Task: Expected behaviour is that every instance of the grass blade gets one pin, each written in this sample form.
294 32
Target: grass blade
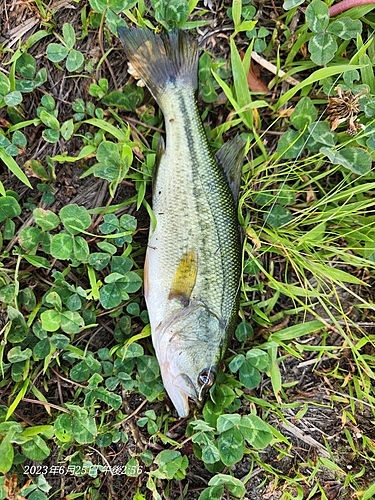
14 168
315 77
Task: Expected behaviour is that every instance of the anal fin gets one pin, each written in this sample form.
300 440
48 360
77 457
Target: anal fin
160 150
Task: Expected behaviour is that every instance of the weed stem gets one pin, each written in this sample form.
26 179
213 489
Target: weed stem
345 5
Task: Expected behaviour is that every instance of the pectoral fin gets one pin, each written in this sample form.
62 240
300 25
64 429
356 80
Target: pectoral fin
230 158
185 278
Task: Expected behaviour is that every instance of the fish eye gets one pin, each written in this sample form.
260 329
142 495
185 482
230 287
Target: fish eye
206 378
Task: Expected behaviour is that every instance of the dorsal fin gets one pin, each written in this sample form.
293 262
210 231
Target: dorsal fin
230 158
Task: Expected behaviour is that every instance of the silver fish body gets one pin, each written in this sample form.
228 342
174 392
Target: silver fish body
192 269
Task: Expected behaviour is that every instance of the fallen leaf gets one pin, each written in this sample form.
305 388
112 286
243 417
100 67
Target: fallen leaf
253 77
254 81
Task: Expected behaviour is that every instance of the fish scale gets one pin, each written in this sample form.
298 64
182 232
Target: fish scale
192 268
201 192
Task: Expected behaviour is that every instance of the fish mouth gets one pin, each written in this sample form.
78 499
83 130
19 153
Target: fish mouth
180 389
175 364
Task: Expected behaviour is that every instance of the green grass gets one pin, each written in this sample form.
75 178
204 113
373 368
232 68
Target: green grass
80 385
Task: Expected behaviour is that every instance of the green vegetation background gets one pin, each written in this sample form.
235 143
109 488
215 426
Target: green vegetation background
83 413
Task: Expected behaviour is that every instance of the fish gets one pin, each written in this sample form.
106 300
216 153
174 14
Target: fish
192 271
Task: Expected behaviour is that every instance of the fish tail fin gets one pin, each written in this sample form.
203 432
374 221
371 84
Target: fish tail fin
162 61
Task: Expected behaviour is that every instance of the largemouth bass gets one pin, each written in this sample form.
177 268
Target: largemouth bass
192 268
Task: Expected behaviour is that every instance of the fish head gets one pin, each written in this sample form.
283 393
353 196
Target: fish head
189 348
